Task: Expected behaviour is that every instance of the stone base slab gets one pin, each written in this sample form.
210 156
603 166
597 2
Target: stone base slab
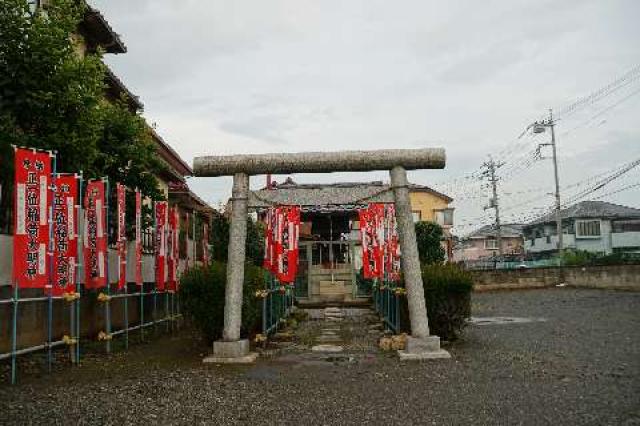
439 354
231 352
423 348
423 344
247 359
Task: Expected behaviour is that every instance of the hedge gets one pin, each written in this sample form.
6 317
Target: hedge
447 292
202 293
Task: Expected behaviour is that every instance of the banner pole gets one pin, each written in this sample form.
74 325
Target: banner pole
78 285
50 269
14 333
123 246
107 305
154 234
138 247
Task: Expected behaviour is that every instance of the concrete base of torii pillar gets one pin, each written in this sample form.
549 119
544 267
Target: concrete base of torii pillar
420 345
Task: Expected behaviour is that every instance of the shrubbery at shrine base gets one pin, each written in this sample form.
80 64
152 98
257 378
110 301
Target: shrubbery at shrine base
202 293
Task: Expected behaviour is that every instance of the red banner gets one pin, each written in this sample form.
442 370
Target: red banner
173 248
138 245
391 244
288 248
121 199
371 221
31 205
95 236
65 234
161 243
270 237
205 244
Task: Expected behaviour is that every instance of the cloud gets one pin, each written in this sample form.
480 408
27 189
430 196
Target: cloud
246 76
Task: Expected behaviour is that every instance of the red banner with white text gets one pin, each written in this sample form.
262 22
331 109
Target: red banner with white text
121 212
371 221
138 244
161 243
32 202
205 244
269 262
287 243
65 234
95 235
391 244
173 248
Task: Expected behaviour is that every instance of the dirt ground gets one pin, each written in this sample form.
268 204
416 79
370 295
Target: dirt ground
555 356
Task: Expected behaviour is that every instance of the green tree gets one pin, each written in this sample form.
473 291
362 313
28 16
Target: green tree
53 98
429 237
219 238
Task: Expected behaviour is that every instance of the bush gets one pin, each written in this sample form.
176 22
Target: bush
202 292
447 291
364 284
586 258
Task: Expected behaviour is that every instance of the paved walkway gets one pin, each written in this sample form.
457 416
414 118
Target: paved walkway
577 363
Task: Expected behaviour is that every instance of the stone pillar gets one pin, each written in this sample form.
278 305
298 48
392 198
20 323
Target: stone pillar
231 349
419 345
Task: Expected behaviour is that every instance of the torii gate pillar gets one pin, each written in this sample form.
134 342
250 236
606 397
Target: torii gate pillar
232 349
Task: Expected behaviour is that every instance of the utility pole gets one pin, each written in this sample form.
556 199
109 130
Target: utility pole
490 172
540 128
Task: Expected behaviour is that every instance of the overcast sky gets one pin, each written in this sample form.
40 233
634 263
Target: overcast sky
225 77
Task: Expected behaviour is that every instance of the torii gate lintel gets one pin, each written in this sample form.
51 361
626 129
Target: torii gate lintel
420 345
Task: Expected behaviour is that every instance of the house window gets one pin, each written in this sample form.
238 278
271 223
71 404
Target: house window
491 244
444 217
587 229
417 215
626 226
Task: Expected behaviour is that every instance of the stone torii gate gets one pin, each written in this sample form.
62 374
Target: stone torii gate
232 349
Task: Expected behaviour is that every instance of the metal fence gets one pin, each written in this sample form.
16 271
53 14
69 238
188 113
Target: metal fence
163 307
277 302
386 302
490 264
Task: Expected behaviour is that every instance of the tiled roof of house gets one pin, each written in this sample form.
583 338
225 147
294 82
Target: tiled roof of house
507 230
592 210
97 28
345 194
116 88
348 195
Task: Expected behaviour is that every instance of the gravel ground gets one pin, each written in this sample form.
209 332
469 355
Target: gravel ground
580 365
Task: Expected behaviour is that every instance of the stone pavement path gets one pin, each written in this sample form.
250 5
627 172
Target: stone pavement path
351 332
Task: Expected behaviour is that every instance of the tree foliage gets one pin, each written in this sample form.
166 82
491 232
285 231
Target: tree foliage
219 238
52 97
429 237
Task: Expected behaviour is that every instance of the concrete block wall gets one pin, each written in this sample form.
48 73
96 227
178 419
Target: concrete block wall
621 277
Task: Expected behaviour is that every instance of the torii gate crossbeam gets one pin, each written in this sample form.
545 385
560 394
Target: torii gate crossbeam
233 349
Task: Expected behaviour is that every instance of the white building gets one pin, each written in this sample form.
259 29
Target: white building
594 226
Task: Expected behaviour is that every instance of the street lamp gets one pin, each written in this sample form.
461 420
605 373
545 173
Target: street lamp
541 127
